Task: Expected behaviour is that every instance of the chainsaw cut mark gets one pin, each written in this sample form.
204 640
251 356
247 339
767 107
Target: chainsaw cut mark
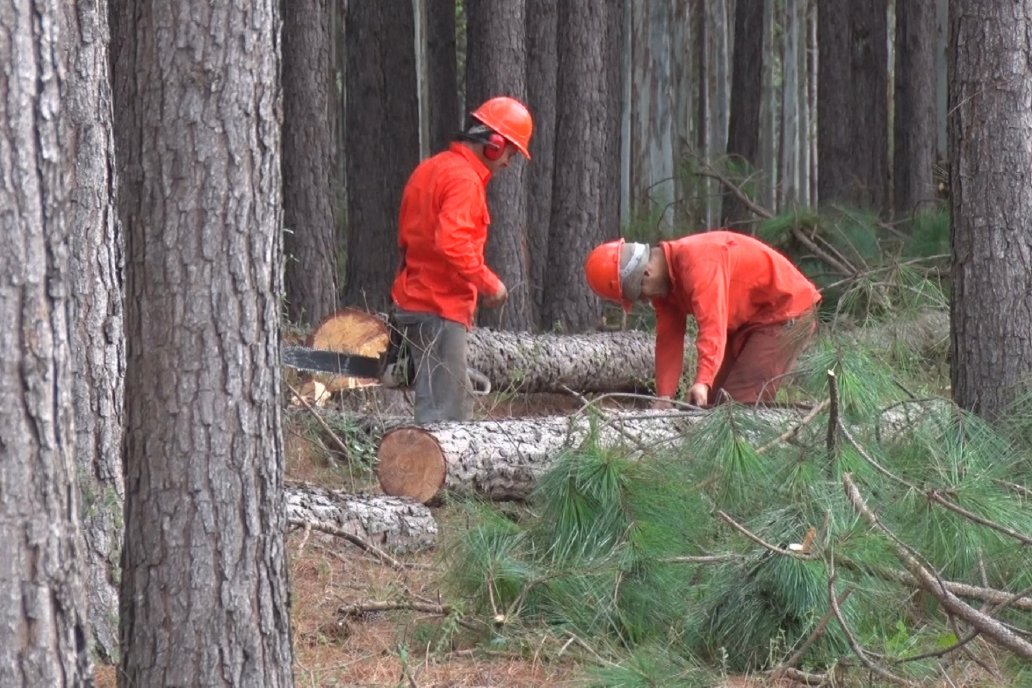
410 463
350 331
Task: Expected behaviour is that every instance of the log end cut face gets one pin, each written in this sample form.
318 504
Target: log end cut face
350 331
410 463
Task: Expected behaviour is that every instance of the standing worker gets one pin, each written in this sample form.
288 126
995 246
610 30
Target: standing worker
755 311
442 229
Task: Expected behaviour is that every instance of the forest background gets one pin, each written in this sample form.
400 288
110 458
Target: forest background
180 183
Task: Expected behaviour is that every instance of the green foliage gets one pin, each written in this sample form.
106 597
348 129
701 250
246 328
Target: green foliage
864 383
928 235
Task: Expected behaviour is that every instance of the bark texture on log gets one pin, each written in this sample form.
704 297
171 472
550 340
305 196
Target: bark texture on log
504 459
394 524
512 361
590 362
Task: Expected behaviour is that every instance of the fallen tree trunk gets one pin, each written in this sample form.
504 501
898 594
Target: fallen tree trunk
391 523
511 361
504 459
590 362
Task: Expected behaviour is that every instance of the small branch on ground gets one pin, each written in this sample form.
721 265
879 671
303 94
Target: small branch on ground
350 537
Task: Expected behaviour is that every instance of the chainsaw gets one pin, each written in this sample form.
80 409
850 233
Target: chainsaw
394 368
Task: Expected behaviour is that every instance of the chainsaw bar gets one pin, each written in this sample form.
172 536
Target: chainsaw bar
333 362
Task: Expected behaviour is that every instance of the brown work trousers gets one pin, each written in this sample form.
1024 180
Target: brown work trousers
758 357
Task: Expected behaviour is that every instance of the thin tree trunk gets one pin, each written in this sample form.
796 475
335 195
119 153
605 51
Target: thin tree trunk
915 117
743 139
542 69
43 625
204 589
441 68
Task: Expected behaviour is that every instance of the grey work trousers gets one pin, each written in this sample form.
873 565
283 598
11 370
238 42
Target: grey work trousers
438 348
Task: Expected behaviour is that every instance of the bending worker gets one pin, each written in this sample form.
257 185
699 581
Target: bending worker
755 311
442 229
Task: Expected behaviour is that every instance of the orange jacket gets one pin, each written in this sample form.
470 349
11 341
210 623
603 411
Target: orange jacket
442 229
727 281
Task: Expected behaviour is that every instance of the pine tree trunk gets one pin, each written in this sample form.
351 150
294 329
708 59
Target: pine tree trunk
382 147
542 68
504 459
393 524
497 65
915 116
852 119
205 596
98 348
43 625
442 85
743 139
310 231
991 196
585 199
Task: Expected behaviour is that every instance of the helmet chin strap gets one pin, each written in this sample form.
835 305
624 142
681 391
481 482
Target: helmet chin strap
639 253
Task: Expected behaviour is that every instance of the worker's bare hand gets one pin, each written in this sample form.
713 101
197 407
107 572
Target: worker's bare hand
698 394
497 299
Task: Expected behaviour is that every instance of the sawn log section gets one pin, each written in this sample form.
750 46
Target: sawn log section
503 459
511 361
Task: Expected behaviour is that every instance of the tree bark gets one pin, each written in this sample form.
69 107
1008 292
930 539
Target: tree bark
204 596
504 459
98 346
43 625
586 193
915 117
393 524
991 198
310 230
542 68
743 138
514 361
496 64
382 145
852 121
589 362
442 77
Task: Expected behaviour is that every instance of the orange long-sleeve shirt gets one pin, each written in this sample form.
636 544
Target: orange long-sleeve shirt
727 281
442 229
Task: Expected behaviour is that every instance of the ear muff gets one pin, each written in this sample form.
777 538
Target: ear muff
494 146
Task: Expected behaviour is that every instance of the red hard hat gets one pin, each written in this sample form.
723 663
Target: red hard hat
602 268
510 118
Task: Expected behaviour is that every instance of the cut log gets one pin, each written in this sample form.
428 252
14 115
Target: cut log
351 331
511 361
395 524
504 459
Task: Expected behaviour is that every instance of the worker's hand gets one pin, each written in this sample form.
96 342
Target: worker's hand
698 394
662 404
497 299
